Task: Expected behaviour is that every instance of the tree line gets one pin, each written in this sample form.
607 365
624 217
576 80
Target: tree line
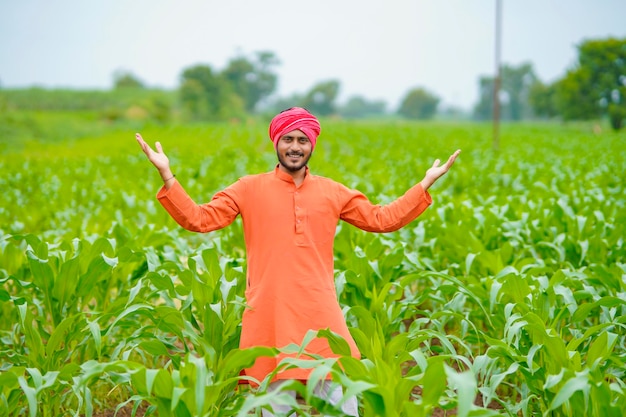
247 85
594 88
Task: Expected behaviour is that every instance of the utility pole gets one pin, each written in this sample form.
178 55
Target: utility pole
497 79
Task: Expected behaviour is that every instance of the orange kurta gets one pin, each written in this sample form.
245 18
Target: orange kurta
289 233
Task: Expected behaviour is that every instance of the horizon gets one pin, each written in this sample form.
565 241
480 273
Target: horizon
443 47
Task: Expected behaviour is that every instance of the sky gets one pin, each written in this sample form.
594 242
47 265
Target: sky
376 49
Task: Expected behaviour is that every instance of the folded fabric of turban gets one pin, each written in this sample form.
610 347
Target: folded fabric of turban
295 118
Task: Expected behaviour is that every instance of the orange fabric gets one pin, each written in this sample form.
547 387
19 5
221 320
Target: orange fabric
289 233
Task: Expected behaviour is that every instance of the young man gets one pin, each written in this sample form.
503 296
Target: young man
289 220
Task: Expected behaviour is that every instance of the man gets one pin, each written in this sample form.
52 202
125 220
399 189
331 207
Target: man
289 221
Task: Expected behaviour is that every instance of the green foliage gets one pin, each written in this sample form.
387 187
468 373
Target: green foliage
206 95
617 114
358 107
517 83
542 100
575 97
419 104
42 114
81 100
320 100
252 80
595 86
124 79
505 298
233 93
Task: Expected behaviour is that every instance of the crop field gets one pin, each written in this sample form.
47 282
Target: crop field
507 297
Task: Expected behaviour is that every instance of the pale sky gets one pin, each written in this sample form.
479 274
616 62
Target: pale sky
377 49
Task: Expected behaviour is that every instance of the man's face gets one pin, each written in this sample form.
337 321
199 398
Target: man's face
294 150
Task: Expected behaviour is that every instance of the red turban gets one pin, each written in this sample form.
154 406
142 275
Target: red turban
296 118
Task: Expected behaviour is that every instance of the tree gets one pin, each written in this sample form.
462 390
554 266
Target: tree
517 82
542 99
483 110
596 86
252 80
282 103
419 104
514 93
575 98
208 96
124 79
321 98
359 107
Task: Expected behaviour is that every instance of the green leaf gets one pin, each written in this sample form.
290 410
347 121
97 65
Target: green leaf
99 269
600 349
65 283
8 380
161 282
238 359
59 335
96 334
31 396
43 276
154 347
337 343
212 263
465 385
128 311
177 394
433 383
580 382
584 310
33 339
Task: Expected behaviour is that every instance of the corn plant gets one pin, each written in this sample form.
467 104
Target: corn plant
506 297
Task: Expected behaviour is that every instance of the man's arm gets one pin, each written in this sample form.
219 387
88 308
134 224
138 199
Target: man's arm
216 214
436 171
158 159
360 212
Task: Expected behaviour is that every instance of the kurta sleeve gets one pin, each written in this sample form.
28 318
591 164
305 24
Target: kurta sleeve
360 212
216 214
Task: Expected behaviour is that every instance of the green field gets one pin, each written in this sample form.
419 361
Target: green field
506 297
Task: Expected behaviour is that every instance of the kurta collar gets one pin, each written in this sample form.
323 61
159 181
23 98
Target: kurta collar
286 177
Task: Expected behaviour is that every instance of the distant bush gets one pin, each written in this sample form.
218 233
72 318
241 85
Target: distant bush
112 105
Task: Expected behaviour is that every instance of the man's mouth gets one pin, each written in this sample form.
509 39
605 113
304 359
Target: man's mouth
295 155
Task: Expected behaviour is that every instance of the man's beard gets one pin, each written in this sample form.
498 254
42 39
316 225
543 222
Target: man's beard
293 168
